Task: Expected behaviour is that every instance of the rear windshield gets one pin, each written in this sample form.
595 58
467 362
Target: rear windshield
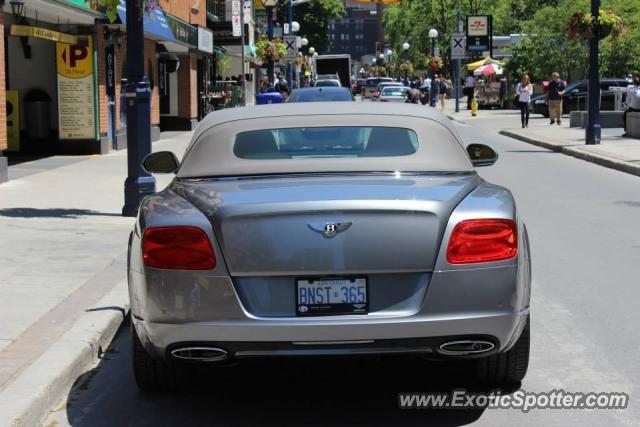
321 95
394 91
330 142
327 83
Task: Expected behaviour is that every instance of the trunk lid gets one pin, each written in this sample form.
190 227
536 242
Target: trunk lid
277 226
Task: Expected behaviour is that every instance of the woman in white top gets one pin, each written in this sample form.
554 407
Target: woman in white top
524 90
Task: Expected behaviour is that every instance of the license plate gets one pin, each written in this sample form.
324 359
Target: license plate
318 297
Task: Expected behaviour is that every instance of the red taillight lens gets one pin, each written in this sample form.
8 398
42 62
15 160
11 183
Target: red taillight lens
177 248
482 240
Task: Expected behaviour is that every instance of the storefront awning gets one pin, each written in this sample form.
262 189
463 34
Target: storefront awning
155 22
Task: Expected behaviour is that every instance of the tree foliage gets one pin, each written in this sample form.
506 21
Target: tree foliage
544 47
314 20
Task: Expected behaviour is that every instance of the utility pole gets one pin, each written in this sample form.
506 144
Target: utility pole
592 132
242 63
456 71
291 33
138 98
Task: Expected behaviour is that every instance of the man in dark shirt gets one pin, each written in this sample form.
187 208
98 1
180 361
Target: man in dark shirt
554 98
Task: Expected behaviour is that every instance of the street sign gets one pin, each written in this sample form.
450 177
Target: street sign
478 31
458 46
236 22
110 70
291 42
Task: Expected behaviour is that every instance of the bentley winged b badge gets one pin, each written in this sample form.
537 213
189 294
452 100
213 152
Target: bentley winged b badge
330 229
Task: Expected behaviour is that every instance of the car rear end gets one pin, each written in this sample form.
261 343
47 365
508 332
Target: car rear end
328 264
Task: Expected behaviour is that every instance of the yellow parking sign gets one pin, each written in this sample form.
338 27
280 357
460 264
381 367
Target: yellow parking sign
13 120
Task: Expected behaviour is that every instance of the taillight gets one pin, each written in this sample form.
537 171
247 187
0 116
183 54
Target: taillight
482 240
177 248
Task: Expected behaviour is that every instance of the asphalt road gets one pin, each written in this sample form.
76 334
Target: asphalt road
584 225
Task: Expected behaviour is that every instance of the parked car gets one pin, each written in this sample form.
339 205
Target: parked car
328 83
394 93
575 97
368 233
370 85
320 94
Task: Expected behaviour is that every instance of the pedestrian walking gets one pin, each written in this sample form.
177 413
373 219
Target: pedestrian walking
435 90
554 98
442 89
469 87
524 91
632 102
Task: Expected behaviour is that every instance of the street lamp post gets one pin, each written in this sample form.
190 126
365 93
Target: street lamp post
592 132
138 98
269 5
405 51
433 33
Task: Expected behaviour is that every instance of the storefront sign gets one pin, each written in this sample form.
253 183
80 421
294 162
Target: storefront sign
110 70
154 22
13 120
205 40
478 30
183 32
42 33
76 91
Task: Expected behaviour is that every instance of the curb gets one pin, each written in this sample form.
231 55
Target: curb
578 153
29 398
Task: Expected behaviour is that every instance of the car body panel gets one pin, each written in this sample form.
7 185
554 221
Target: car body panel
259 228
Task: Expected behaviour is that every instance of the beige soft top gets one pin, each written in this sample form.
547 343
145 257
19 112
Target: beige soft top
210 152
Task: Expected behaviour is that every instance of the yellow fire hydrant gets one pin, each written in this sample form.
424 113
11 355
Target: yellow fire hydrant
474 106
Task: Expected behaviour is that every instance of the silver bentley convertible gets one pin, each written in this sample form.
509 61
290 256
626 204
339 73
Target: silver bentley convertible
328 229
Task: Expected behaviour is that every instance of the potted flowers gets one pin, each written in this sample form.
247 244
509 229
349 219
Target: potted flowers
584 25
270 50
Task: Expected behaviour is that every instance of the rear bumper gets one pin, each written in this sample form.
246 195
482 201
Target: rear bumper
331 336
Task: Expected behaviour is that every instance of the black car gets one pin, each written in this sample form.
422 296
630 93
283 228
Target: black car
575 97
320 94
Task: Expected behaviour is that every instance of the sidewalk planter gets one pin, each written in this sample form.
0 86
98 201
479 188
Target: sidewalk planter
633 125
608 119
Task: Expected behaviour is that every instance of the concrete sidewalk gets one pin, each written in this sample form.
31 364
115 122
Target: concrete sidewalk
614 150
62 274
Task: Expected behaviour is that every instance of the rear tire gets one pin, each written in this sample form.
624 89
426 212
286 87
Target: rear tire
151 375
507 368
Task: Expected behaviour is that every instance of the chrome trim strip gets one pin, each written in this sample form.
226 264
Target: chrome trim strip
486 346
332 352
333 342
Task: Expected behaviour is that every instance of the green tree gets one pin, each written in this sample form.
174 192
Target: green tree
314 20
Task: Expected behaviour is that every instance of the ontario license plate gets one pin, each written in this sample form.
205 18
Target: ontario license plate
318 297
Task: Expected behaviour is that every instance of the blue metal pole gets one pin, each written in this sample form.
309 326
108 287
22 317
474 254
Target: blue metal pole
138 97
456 70
592 133
291 33
270 37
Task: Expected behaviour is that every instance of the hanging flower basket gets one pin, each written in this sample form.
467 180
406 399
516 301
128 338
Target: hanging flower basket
434 62
585 26
272 50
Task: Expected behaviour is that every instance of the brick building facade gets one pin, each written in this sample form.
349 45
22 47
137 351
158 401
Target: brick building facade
28 66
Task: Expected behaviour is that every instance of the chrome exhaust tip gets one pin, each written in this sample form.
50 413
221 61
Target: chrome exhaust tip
465 347
200 354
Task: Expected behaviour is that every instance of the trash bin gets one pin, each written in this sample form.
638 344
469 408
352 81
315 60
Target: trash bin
37 104
269 98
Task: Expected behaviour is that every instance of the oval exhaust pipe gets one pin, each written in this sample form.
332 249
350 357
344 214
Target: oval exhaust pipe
465 347
200 354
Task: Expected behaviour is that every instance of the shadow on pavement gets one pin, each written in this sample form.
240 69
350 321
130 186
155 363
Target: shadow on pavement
337 392
51 213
